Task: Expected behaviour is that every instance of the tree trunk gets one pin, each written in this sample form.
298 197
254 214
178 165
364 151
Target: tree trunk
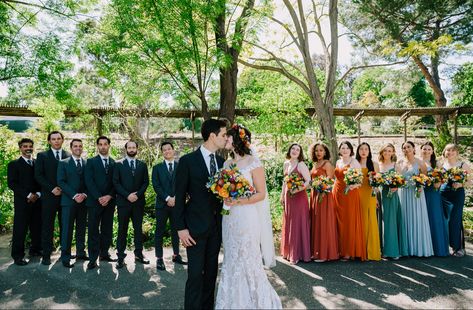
228 90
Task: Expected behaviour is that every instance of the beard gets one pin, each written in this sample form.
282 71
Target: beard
131 154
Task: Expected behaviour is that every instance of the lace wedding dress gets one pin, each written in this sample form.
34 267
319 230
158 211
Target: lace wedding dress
247 243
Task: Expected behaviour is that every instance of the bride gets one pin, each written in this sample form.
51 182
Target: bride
247 235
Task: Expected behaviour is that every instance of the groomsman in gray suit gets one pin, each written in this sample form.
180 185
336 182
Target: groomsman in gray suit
70 177
100 202
164 181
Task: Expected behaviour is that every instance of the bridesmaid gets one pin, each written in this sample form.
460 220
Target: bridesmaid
453 200
324 236
437 221
368 202
414 210
350 226
295 241
395 237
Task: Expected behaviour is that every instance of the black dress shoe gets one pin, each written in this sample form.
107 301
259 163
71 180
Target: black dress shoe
160 264
120 264
91 265
141 259
21 262
73 256
178 260
108 259
46 260
67 264
82 257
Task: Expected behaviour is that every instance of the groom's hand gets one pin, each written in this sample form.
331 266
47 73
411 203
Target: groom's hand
186 238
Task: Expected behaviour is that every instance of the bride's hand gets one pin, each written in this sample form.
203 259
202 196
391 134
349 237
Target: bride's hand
232 202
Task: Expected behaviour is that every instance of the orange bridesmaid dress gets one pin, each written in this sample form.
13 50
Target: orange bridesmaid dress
350 225
370 219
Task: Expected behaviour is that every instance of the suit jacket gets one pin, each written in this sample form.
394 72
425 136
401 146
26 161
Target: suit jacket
70 180
126 183
202 210
98 182
163 183
20 179
45 172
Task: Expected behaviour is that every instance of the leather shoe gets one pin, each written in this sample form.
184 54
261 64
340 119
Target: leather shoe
141 259
91 265
67 264
82 257
21 262
46 260
160 264
178 260
120 264
108 259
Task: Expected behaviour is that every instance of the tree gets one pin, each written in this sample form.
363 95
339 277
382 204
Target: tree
463 91
426 31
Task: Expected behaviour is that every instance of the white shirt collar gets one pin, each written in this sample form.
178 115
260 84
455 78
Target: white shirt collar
130 159
169 162
26 159
76 158
103 157
205 151
55 152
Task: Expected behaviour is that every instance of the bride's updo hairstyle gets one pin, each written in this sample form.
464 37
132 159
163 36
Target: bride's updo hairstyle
241 139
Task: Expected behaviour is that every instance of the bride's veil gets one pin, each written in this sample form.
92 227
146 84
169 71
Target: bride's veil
266 227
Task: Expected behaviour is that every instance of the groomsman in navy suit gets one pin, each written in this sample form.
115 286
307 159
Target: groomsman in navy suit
20 178
100 202
164 181
130 178
45 172
70 177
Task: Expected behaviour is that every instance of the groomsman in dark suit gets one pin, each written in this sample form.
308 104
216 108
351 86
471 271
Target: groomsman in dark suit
130 178
45 171
100 202
20 177
164 181
70 177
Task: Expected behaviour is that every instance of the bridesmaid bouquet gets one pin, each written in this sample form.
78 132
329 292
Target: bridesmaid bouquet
376 179
229 183
437 176
421 181
352 177
322 184
457 175
294 183
393 180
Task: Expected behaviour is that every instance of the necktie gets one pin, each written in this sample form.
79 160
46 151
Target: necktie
105 163
170 168
79 166
57 155
132 166
213 167
30 162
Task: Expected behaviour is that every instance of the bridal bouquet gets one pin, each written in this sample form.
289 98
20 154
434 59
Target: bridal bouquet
352 177
393 180
229 183
323 185
437 176
421 181
294 183
376 180
457 175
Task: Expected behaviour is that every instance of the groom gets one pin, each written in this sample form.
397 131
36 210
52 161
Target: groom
197 215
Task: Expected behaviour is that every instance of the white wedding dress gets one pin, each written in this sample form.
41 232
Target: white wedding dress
247 243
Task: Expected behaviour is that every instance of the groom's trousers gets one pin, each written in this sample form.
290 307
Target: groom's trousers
202 270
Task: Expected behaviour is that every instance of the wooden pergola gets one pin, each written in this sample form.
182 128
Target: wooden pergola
356 113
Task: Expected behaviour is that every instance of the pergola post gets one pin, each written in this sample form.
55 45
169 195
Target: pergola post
358 121
193 129
404 118
455 126
99 124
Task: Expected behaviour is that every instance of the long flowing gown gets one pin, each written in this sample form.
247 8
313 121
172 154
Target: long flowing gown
349 220
243 281
437 221
415 216
370 219
324 235
395 234
295 235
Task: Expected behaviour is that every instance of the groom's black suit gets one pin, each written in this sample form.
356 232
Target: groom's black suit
200 214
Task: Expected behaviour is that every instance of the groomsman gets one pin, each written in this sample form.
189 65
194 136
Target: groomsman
20 177
45 171
70 177
164 179
130 178
100 202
